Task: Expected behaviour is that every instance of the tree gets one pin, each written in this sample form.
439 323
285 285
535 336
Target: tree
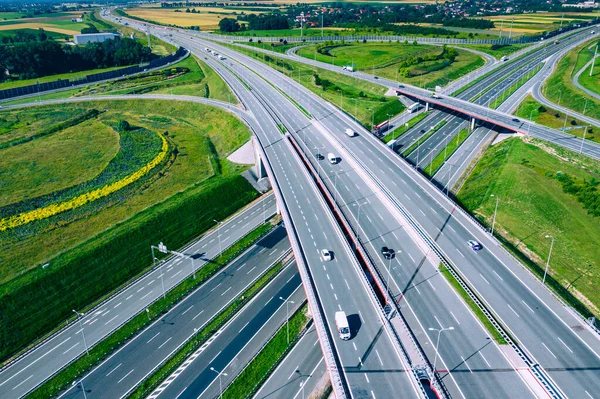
229 25
90 29
123 125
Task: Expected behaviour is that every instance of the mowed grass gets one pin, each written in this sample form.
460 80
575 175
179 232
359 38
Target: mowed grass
559 87
497 53
529 107
196 130
40 167
383 59
590 82
532 23
58 22
532 204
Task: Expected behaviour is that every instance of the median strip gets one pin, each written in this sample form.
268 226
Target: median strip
119 337
402 129
446 152
423 138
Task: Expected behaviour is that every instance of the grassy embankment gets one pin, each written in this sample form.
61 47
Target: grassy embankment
120 337
192 186
589 82
258 370
385 60
529 107
559 87
363 100
526 178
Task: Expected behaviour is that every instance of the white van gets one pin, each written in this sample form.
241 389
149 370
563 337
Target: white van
332 158
350 132
341 323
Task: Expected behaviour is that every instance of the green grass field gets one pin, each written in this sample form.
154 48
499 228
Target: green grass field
497 53
559 87
532 204
383 59
529 107
589 82
363 100
198 166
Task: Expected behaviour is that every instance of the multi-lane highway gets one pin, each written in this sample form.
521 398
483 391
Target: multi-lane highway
37 365
125 369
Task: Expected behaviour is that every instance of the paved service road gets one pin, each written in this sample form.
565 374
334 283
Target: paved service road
39 364
125 369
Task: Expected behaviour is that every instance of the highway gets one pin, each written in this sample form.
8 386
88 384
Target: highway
473 333
24 374
299 372
237 343
548 331
127 367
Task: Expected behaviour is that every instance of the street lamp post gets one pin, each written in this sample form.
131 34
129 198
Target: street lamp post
80 382
439 331
162 248
549 255
219 235
219 373
583 139
287 317
495 210
79 316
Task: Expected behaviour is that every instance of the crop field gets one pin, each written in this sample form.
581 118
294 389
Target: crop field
58 23
207 18
525 176
109 184
385 60
538 22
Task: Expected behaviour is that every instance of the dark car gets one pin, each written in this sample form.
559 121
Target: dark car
375 77
387 253
401 86
319 156
516 120
475 246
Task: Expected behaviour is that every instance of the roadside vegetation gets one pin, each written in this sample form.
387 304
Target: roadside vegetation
556 190
129 330
173 200
249 381
559 87
415 64
530 108
363 100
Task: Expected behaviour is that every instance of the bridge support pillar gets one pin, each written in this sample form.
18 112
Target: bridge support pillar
472 123
426 107
261 171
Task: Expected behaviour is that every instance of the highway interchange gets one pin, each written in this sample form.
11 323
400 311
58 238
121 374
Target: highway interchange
386 202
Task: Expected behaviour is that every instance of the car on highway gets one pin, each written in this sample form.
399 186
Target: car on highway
387 253
341 323
516 120
475 246
319 156
332 158
326 255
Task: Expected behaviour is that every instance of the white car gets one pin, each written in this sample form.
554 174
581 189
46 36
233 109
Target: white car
326 255
475 246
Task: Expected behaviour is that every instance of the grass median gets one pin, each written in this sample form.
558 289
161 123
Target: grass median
471 303
402 129
513 88
119 337
203 335
258 370
423 138
447 152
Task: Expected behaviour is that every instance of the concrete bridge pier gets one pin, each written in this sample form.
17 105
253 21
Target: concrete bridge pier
261 171
472 124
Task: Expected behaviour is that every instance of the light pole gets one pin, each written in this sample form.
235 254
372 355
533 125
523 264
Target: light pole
439 331
219 373
80 382
583 140
287 316
219 235
548 261
79 316
302 387
495 210
162 248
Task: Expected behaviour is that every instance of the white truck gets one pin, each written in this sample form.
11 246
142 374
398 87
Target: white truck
348 68
504 58
332 158
341 323
350 132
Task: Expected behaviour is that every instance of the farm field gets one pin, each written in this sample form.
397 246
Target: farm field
56 22
207 18
538 22
386 59
171 161
363 100
559 87
524 176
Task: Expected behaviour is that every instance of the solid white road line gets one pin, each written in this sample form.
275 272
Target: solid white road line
548 349
125 376
111 371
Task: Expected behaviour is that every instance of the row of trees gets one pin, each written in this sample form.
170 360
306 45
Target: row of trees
43 58
255 22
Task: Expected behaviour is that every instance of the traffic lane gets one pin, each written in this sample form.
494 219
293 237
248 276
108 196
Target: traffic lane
431 147
250 328
418 130
339 286
39 364
299 371
128 366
